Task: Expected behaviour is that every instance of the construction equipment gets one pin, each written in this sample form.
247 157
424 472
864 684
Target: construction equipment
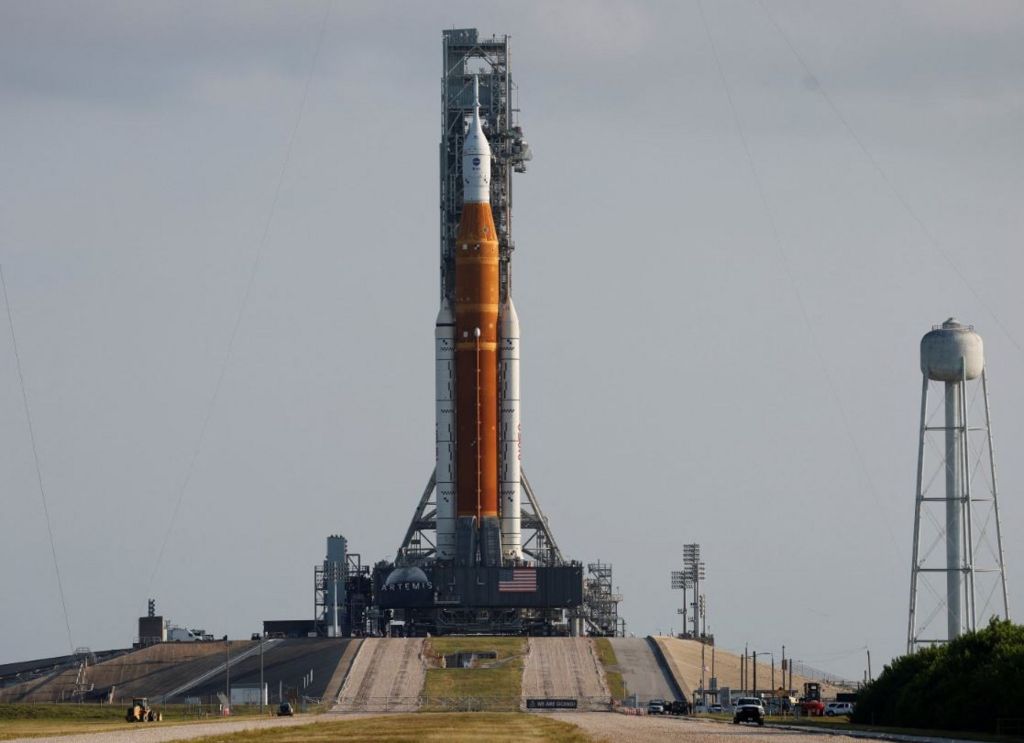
140 711
810 702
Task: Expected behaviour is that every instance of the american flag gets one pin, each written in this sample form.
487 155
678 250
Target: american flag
517 580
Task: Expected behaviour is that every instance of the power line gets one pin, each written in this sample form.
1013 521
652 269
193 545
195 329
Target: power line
208 415
788 270
35 457
929 236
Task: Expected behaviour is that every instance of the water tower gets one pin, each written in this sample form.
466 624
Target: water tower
957 536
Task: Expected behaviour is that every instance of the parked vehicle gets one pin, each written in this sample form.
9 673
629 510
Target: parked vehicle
716 709
810 702
285 710
832 709
749 709
656 707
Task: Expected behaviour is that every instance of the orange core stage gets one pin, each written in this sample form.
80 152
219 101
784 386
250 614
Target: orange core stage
476 362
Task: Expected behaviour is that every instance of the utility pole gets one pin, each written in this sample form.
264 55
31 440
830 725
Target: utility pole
227 669
755 673
784 669
870 677
702 684
261 673
746 669
773 673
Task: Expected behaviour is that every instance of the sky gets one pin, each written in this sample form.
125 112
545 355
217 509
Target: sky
223 284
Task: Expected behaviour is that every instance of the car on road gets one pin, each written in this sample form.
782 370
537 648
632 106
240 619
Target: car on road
832 709
656 707
678 707
716 709
749 709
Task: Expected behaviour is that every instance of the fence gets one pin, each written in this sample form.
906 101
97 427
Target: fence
424 703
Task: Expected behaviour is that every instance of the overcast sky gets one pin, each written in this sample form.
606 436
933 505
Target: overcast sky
687 377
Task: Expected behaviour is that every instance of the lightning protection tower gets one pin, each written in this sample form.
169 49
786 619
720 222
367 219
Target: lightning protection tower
957 535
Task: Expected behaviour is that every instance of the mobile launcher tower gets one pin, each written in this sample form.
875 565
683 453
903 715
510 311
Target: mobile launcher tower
476 558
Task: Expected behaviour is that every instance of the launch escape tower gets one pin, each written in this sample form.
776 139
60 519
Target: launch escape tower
964 516
478 556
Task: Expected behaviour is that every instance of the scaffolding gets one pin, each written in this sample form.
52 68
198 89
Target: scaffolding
601 602
465 56
329 579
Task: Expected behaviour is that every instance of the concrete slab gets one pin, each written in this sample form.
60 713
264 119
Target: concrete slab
643 672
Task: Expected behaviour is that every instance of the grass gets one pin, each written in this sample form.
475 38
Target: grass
42 720
606 654
432 728
843 723
492 684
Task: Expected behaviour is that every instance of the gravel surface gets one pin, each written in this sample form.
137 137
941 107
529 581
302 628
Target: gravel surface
610 726
563 667
387 676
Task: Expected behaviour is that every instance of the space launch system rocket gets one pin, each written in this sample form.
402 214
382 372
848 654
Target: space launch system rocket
478 477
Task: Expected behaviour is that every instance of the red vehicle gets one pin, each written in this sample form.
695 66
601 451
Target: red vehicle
810 702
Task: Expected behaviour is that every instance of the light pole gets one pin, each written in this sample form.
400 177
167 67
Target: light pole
227 670
764 652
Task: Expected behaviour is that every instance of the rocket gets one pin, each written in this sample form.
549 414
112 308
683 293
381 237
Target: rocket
477 476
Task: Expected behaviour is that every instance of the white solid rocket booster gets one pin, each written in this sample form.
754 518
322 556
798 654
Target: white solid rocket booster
510 484
444 401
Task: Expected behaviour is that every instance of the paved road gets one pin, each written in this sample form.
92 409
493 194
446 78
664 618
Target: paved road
602 726
387 676
609 726
640 669
161 732
564 667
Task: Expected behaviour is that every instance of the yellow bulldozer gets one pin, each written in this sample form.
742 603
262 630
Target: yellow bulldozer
140 711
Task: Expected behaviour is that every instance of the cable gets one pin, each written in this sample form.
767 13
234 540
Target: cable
190 469
929 236
35 457
787 268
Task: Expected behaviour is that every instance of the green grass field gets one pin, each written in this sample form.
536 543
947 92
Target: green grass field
606 654
493 685
432 728
42 720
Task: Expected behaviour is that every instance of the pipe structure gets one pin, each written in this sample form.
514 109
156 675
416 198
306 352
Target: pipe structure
954 508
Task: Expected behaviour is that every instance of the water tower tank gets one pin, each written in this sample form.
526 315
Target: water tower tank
952 352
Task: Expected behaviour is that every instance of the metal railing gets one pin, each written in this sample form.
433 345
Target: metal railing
425 703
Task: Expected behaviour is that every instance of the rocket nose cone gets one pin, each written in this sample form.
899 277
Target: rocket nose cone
509 319
445 316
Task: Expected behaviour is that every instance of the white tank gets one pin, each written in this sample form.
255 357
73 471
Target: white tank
952 353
